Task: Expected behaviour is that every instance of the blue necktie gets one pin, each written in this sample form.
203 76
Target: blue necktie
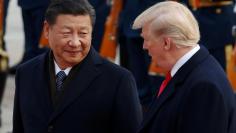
59 80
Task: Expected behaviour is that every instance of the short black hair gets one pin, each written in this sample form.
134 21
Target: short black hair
69 7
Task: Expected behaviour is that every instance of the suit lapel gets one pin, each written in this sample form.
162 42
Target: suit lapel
81 78
42 87
158 102
178 79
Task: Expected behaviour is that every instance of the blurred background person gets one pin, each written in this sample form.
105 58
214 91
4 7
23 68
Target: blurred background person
3 54
5 11
132 57
215 18
33 17
102 8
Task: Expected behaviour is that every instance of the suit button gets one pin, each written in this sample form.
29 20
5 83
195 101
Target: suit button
50 129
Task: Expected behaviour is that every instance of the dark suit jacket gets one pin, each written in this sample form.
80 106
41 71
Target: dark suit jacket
100 98
198 99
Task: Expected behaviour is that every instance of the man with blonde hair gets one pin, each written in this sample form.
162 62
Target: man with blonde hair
196 96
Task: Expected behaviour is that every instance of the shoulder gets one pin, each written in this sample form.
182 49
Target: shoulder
32 63
113 68
209 79
104 65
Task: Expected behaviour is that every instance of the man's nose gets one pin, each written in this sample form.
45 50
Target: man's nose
75 41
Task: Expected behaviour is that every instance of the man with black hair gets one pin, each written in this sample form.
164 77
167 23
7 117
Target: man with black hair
71 88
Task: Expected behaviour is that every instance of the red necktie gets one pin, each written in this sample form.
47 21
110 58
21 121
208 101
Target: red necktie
164 83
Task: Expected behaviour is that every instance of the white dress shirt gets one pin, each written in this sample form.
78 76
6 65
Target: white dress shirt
58 69
183 60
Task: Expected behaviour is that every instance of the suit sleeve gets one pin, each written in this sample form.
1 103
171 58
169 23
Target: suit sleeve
127 110
204 111
17 121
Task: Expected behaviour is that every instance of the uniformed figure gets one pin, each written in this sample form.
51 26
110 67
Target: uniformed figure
215 18
102 8
5 12
132 55
3 54
33 16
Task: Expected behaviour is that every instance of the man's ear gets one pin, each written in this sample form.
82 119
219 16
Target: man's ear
167 43
45 29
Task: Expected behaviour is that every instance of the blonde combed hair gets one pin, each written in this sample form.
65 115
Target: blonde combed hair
172 19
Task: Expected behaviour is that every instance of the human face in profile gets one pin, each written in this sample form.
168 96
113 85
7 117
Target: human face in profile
154 45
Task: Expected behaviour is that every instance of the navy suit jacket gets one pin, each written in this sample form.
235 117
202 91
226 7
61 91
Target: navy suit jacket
100 98
198 99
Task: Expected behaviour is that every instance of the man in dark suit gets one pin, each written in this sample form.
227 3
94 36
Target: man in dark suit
33 16
71 88
196 97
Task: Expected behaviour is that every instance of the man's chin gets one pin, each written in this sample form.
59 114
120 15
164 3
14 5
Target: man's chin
74 61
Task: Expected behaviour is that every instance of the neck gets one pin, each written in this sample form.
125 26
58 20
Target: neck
176 54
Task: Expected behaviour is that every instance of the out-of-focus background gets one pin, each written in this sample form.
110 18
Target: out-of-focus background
14 44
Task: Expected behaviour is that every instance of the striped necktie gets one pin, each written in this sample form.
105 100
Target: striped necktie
61 76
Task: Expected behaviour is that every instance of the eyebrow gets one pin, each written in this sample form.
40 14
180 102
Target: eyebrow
80 27
84 28
65 27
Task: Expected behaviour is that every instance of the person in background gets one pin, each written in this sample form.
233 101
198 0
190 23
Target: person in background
132 55
5 12
102 8
71 88
33 16
215 19
3 54
196 96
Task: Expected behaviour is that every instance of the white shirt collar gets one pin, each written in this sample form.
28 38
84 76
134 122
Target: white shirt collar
183 60
58 69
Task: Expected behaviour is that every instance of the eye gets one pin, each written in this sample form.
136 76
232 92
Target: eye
83 34
66 34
